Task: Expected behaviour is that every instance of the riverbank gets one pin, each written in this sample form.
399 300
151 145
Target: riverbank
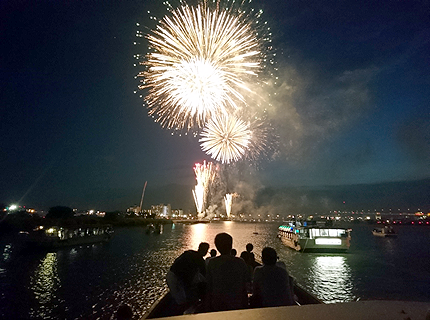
14 223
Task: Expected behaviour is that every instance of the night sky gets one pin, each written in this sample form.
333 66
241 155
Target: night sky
353 105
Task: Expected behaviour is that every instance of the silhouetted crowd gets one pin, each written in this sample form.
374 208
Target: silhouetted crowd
226 282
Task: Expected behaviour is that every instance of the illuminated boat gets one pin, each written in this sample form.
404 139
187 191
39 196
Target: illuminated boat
58 236
315 238
384 232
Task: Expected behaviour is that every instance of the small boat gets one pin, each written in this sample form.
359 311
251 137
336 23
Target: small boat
314 238
166 307
387 231
59 236
150 228
154 228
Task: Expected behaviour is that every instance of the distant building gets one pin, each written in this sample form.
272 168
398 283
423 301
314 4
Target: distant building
162 211
134 209
97 213
178 213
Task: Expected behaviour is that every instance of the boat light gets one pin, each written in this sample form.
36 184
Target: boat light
329 241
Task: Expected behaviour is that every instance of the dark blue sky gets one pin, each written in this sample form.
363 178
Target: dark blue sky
353 104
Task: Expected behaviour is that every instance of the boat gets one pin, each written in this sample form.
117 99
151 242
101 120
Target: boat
357 310
156 229
387 231
313 238
61 236
166 307
150 228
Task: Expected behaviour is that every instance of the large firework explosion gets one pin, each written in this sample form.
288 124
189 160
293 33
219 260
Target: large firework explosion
201 59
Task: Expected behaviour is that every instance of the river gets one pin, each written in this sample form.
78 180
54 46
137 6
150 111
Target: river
90 282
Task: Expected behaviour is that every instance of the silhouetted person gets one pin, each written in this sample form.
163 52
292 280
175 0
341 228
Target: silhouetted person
271 286
187 274
212 254
251 258
245 256
124 312
249 248
233 252
227 278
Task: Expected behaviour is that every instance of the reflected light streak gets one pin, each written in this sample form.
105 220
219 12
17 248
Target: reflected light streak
45 284
331 279
197 234
7 252
228 225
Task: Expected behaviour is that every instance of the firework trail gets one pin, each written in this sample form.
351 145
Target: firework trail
225 138
228 198
202 59
205 174
199 195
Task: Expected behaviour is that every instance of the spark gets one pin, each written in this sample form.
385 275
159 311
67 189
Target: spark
228 198
225 138
202 57
205 173
262 142
199 195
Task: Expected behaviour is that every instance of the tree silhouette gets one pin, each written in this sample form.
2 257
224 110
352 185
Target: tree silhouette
59 212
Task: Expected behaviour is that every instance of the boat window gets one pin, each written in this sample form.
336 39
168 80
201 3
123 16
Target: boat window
333 232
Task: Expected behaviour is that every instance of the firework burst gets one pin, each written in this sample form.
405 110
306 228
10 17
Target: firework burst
202 57
225 138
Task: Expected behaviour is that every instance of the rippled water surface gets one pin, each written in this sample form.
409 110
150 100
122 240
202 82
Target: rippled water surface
90 282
